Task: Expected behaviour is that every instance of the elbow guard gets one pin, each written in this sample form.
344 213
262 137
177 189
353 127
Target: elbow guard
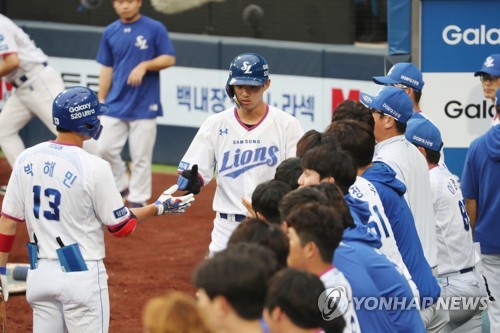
125 228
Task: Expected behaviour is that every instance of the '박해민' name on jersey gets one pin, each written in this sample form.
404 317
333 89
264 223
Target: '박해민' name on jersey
78 112
48 170
234 163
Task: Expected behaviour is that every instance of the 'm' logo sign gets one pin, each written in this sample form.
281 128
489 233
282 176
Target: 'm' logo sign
338 97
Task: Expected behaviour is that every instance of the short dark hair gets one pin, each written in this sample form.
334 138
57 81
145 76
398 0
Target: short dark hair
319 224
432 156
296 293
312 139
354 110
329 162
239 274
401 127
266 197
356 138
267 235
337 201
289 171
417 94
300 196
62 130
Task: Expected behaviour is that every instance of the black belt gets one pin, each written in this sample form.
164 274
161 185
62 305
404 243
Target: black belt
237 217
466 270
24 78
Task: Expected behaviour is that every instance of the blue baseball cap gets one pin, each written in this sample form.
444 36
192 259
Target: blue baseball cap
424 133
392 101
491 66
404 73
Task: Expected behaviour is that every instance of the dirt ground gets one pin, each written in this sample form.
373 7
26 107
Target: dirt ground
160 255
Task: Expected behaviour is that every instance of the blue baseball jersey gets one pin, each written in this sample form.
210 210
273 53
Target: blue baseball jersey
391 191
364 266
481 181
123 46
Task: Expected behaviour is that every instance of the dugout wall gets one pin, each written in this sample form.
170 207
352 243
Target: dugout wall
308 80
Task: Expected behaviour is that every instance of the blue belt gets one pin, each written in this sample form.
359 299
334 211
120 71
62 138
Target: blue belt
237 217
24 78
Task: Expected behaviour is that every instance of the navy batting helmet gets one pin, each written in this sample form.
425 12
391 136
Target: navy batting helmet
248 69
77 109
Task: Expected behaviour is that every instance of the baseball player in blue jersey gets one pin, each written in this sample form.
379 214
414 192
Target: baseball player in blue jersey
480 184
243 145
133 50
456 254
67 197
25 66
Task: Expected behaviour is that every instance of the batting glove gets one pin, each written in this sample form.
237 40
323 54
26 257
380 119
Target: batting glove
190 181
4 287
166 203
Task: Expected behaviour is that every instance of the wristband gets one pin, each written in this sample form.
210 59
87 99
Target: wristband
3 270
6 242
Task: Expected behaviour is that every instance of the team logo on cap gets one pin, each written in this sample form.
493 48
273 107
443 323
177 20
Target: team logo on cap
367 99
489 62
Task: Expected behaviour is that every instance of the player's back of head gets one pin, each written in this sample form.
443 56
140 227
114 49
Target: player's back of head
289 172
239 274
337 201
328 162
174 312
266 197
356 138
319 224
353 110
296 293
312 139
300 196
259 232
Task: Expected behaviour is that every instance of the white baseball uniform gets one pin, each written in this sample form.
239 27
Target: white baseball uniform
411 168
364 190
335 278
456 254
37 86
242 157
63 191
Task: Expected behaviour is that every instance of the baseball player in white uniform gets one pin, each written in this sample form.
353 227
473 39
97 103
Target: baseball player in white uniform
24 66
456 254
243 145
67 196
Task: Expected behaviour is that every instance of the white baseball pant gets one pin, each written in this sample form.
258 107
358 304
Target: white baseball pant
223 229
491 270
141 136
73 302
469 285
435 319
33 98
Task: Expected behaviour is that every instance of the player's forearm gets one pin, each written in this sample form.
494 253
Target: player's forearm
159 63
105 78
143 213
9 63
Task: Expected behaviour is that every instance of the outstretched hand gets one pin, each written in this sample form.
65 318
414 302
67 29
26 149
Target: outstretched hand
168 204
189 180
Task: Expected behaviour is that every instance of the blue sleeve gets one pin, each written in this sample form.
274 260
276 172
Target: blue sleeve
468 181
104 54
163 43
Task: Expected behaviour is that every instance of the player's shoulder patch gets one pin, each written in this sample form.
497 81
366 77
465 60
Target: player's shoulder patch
183 166
120 212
